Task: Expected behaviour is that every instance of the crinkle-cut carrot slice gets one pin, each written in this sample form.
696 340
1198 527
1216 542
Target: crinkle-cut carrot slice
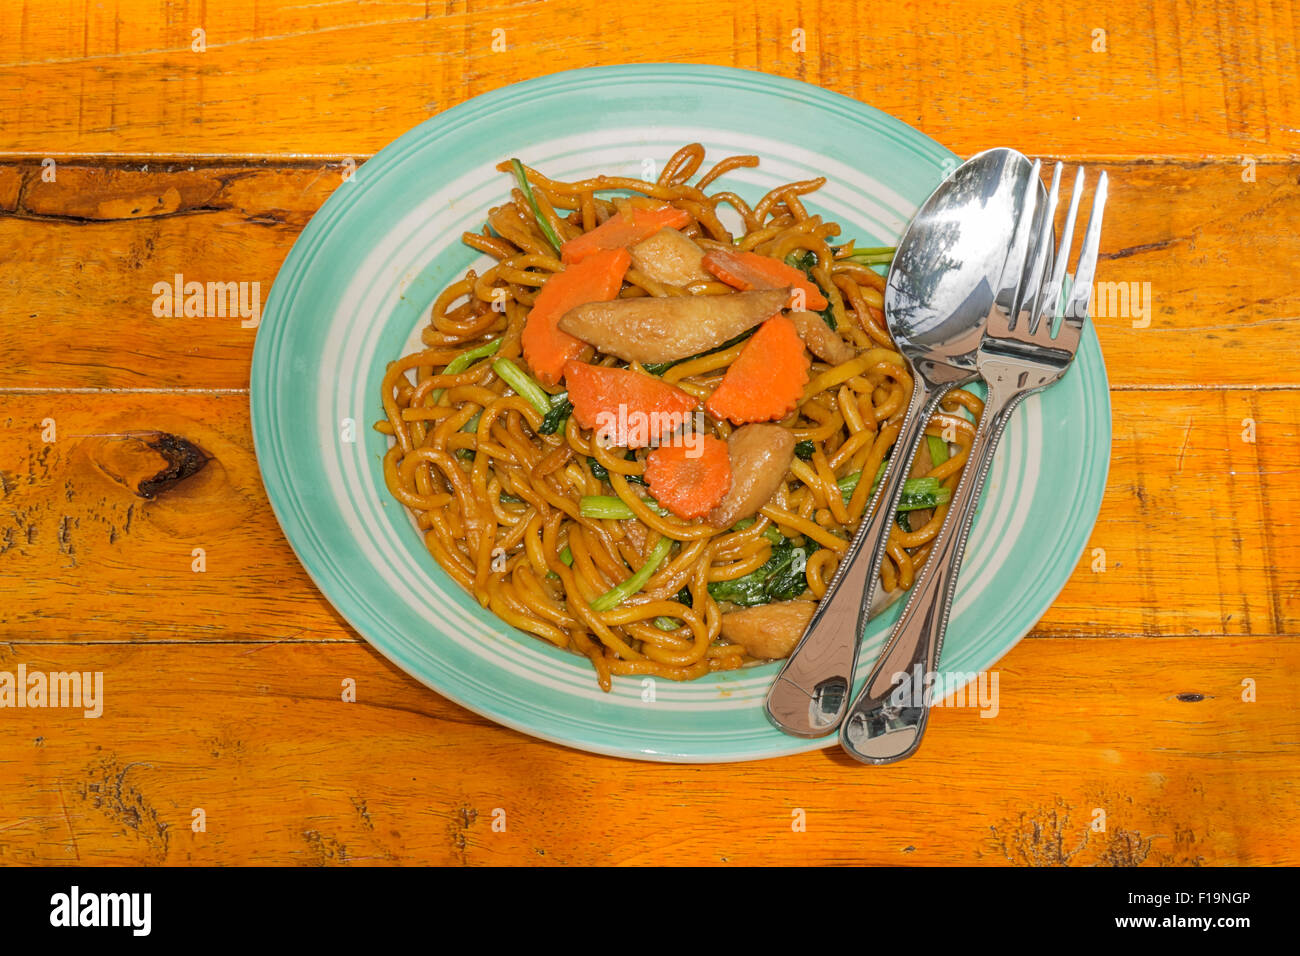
767 379
597 278
751 270
689 479
625 408
624 229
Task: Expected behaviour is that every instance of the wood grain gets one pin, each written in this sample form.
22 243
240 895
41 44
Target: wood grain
1197 532
222 687
115 564
1174 78
1154 735
1203 302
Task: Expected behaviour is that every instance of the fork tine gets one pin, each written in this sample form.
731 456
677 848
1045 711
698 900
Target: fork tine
1052 294
1076 311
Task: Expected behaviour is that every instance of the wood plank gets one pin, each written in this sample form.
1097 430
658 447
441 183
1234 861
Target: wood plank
79 304
1174 78
1153 734
85 556
1197 252
1198 526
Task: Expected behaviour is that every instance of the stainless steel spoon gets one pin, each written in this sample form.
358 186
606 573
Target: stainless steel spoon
941 286
1020 355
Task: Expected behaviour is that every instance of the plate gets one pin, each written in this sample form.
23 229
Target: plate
359 282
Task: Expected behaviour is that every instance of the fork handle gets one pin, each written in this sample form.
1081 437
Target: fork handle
888 717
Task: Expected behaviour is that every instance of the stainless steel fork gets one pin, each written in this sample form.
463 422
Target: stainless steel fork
1020 354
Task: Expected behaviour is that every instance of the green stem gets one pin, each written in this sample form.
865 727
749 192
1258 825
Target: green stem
463 361
617 595
918 493
938 449
611 507
526 188
518 379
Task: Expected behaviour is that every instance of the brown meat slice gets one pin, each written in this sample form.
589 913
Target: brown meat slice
649 329
769 631
760 456
821 340
670 257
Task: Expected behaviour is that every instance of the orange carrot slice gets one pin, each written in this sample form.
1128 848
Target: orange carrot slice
625 408
596 279
624 229
767 379
689 479
749 270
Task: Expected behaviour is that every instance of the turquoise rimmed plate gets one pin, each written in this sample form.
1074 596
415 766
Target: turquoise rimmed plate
358 285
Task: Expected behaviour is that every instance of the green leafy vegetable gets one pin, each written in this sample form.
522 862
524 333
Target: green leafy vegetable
611 507
526 188
781 578
667 623
918 493
620 593
804 450
566 556
463 361
518 379
938 449
849 483
601 473
872 255
804 260
554 419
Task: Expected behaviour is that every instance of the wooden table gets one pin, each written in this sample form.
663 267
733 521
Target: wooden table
1160 688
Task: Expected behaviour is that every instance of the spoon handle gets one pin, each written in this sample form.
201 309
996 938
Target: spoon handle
808 697
889 715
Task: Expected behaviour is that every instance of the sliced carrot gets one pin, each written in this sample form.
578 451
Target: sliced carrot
597 279
690 479
750 270
625 408
767 379
624 229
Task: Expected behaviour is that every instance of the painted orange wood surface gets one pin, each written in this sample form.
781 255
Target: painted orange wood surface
1167 77
285 772
1159 689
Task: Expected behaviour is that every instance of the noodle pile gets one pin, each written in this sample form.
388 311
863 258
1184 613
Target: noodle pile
498 501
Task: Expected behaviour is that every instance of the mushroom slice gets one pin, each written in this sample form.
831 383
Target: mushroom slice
671 258
769 631
821 339
760 456
648 329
